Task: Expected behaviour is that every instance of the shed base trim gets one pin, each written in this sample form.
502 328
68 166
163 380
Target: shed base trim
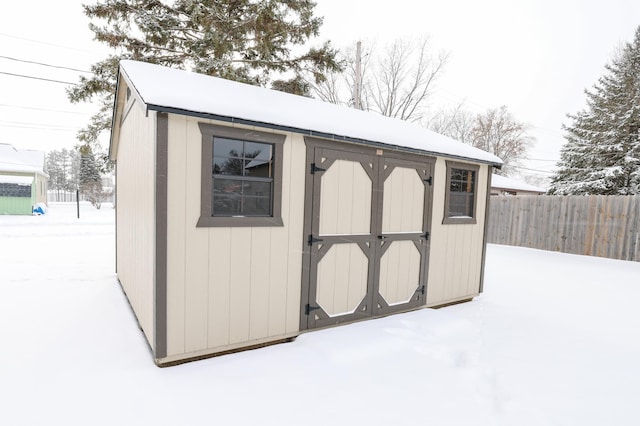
172 360
445 303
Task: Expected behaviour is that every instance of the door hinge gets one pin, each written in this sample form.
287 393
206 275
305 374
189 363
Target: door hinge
425 236
312 240
420 290
429 180
308 309
315 169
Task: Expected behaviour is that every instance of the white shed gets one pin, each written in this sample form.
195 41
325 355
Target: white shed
246 216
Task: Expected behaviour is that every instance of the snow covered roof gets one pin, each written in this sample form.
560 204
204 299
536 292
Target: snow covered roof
20 160
20 180
183 92
503 182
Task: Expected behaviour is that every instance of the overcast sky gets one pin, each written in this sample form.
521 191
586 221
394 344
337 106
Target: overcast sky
534 56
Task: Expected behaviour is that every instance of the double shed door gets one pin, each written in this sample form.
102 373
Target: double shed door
367 234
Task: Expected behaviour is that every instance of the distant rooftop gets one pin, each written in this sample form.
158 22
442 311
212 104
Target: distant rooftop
20 160
503 182
183 92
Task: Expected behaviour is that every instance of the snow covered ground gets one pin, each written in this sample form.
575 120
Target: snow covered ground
554 340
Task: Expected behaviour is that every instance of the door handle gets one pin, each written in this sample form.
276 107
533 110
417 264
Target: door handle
382 237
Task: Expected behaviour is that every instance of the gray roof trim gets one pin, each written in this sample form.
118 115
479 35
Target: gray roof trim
115 124
330 136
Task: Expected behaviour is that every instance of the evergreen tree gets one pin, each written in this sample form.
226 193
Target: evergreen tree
602 151
63 168
242 40
91 178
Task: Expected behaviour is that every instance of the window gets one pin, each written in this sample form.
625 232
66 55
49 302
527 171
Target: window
241 177
15 190
461 191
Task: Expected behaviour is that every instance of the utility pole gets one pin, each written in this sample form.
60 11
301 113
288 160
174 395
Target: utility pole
358 88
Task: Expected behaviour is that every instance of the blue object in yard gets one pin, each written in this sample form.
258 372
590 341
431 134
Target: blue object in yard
38 210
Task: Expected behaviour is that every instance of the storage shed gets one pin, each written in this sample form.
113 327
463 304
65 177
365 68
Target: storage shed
246 216
23 181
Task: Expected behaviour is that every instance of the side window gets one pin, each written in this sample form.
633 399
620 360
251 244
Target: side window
241 177
461 193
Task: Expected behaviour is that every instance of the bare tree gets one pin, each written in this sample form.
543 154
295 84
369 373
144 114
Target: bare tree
457 123
498 132
395 82
402 77
494 130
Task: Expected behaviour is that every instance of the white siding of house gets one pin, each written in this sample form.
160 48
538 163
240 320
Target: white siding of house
229 287
135 214
455 258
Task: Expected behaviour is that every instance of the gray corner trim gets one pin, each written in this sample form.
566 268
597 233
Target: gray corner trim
485 232
160 288
458 220
312 133
209 131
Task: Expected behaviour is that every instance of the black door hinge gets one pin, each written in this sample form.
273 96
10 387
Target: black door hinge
308 309
312 240
315 169
425 236
429 180
420 290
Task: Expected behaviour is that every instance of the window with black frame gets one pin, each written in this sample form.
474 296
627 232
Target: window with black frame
242 178
461 192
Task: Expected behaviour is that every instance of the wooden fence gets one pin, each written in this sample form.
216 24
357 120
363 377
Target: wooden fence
606 226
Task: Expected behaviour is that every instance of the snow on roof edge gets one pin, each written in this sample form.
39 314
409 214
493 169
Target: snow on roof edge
163 89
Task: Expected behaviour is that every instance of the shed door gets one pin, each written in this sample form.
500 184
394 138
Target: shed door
367 236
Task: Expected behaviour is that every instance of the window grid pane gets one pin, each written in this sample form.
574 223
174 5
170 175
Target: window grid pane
242 178
461 193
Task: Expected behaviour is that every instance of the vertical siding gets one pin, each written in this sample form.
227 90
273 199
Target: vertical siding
41 189
345 200
227 286
455 257
595 225
15 205
342 279
403 205
399 272
135 214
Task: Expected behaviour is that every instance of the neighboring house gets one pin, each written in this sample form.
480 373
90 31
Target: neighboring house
246 216
23 181
502 185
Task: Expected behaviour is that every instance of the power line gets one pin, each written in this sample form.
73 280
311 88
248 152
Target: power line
44 109
44 65
531 170
38 78
48 129
33 124
540 159
45 42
